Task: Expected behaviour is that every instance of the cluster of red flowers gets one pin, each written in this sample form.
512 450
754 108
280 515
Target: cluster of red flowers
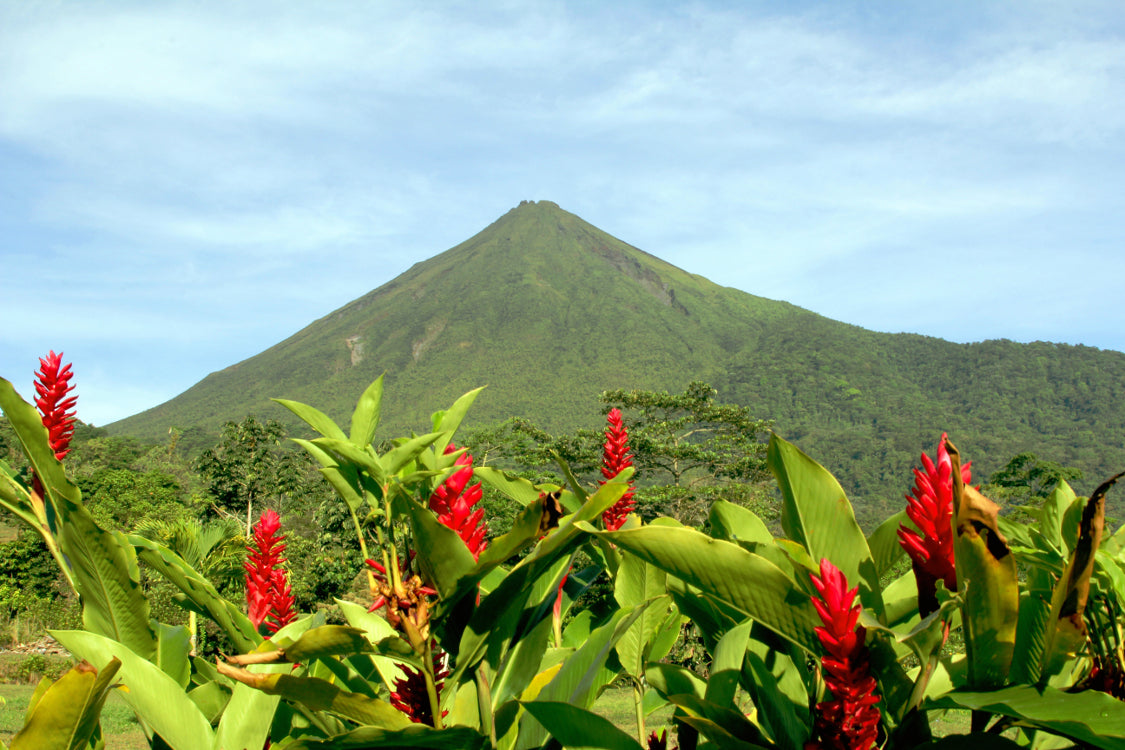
409 695
453 501
453 504
269 598
930 508
850 720
52 386
615 459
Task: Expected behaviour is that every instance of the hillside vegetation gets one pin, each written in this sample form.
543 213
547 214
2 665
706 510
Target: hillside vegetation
549 311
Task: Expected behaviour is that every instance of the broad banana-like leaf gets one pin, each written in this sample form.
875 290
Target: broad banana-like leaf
493 622
986 574
517 488
314 418
886 550
1090 716
979 741
173 643
447 422
345 452
322 695
749 582
108 580
638 582
1066 626
735 523
579 729
445 559
727 727
413 736
66 716
583 675
158 699
726 664
248 716
401 455
365 418
344 478
199 592
816 513
376 629
672 679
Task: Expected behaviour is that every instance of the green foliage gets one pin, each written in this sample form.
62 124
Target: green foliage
249 468
481 632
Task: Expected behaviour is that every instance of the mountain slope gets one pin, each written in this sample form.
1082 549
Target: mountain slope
548 311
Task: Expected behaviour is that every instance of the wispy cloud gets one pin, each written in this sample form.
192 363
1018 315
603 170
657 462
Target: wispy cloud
217 175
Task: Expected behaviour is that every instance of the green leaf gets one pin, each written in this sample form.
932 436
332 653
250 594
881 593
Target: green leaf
344 478
377 629
398 457
346 452
735 523
446 422
211 698
672 679
413 736
979 741
66 716
443 556
579 729
884 545
726 664
27 423
321 695
509 485
638 582
365 418
1090 716
584 674
816 513
314 418
248 716
327 640
108 580
749 582
173 643
199 591
157 698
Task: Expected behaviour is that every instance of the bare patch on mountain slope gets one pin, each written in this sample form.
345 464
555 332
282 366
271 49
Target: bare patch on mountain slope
433 330
355 347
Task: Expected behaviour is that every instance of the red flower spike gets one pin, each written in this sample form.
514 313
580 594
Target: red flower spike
930 508
453 504
269 599
52 384
615 459
410 695
658 743
850 720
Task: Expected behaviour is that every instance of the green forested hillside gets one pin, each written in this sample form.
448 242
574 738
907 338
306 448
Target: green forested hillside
548 311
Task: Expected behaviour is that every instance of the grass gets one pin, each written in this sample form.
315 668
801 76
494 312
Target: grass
119 725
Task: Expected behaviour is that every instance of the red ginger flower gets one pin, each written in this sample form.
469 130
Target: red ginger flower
453 504
930 507
410 695
850 720
269 598
658 742
615 459
52 384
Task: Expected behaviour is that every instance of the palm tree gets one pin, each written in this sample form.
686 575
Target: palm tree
215 550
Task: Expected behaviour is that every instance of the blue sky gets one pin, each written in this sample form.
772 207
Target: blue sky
184 185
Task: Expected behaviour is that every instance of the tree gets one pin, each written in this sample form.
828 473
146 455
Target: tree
687 450
248 467
1027 479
